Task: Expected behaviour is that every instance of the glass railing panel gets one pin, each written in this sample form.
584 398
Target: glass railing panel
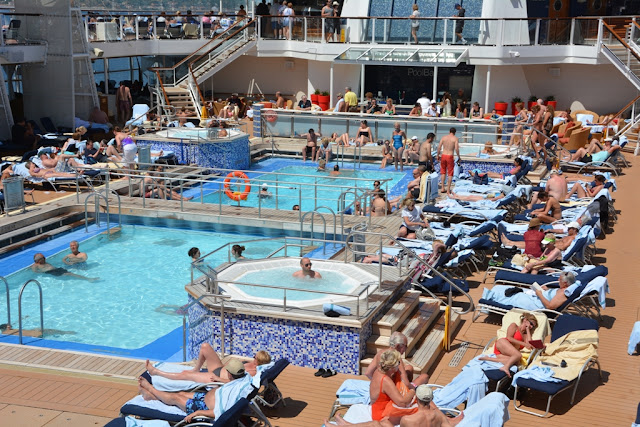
280 127
585 32
303 122
420 127
329 125
352 54
555 31
517 32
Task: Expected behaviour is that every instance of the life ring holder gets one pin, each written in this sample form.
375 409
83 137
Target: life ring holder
271 116
237 195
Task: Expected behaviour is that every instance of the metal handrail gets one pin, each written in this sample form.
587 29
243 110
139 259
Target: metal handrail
20 308
420 260
97 196
6 286
185 309
324 223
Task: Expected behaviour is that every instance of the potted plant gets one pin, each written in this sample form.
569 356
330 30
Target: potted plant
533 100
501 107
514 101
551 100
323 100
314 96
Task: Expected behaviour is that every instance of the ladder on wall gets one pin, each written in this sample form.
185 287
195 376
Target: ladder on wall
6 116
85 85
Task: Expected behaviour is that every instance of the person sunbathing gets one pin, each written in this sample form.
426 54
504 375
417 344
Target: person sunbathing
551 211
595 152
517 167
45 173
551 256
508 350
572 233
590 190
155 187
549 298
195 404
216 370
475 197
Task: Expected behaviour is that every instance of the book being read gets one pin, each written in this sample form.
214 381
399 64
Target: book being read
536 286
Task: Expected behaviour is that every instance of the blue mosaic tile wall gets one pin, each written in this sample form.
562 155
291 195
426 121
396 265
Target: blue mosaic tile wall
399 31
307 344
231 154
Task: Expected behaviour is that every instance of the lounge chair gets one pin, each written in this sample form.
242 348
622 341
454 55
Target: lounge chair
574 339
513 316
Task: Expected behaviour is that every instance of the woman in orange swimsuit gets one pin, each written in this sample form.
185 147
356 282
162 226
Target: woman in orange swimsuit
389 402
507 350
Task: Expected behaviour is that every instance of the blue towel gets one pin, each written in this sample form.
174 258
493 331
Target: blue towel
634 340
470 385
166 384
340 309
486 364
156 405
230 393
134 422
354 391
538 373
491 411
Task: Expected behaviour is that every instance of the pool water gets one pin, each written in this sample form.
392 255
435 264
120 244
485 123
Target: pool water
331 281
293 190
142 270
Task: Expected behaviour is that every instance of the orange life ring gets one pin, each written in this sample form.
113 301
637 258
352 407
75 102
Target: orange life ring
237 195
271 116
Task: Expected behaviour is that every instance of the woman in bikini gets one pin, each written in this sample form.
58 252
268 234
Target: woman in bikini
389 108
216 371
398 138
387 154
507 350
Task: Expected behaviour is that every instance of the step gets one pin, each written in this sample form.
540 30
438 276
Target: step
394 317
428 351
413 328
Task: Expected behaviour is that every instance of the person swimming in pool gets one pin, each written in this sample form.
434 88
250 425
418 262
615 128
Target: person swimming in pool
40 265
195 404
75 257
306 271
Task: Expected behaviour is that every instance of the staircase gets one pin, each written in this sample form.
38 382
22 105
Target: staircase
421 320
85 91
617 50
183 90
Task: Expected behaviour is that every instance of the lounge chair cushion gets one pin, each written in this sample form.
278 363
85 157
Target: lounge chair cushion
546 387
495 304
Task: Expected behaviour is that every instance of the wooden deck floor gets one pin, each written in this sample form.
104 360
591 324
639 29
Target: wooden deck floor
34 396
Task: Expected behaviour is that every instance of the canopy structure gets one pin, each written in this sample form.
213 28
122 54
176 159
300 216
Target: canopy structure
404 56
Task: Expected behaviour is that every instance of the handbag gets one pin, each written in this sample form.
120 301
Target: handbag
425 233
519 259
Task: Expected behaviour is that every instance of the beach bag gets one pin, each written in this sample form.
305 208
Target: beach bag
480 179
519 259
425 233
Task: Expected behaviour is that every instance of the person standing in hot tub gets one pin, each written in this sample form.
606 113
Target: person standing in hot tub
305 264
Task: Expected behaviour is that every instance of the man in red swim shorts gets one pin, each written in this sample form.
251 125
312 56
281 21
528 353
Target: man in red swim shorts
446 148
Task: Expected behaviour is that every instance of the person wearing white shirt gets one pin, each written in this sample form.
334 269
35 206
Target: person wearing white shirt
432 111
424 103
339 104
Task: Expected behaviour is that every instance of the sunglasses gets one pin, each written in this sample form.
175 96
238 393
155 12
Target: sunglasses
307 265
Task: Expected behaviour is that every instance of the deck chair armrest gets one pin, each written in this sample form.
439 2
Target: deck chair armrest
435 385
450 412
489 344
547 310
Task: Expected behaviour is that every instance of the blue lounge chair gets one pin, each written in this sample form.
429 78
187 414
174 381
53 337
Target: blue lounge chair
565 324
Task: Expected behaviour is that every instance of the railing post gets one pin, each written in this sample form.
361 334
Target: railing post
537 36
373 30
599 40
137 32
277 192
573 27
500 37
444 33
121 28
304 27
324 40
385 36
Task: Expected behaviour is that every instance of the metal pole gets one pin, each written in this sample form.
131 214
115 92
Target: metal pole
362 83
435 83
277 192
331 89
487 90
221 328
379 267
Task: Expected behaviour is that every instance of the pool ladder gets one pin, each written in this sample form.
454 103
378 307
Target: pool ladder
97 195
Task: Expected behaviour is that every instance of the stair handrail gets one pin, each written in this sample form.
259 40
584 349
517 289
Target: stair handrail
186 58
164 92
229 37
6 287
420 261
634 27
619 113
20 308
621 40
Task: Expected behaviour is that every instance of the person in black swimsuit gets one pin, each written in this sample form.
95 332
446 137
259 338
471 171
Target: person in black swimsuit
40 265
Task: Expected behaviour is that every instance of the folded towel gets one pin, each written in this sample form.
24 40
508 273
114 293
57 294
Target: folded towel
134 422
491 411
470 385
539 373
354 391
634 339
156 405
166 384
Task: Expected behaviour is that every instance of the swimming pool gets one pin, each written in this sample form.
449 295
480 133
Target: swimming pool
143 272
318 188
195 133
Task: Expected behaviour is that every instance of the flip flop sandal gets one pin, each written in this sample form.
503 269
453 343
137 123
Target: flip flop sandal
320 372
329 373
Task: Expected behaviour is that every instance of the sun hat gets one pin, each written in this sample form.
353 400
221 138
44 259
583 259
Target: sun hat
549 238
235 367
414 138
574 224
535 222
424 393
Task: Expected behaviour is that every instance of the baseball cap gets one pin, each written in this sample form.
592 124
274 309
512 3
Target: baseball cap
424 393
264 185
553 171
574 224
235 367
335 3
414 138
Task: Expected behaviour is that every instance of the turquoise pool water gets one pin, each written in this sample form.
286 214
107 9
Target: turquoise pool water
331 281
143 271
292 190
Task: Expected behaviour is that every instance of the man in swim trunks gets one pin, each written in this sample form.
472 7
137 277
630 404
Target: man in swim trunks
305 264
193 403
556 187
75 256
40 265
448 144
424 154
312 145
